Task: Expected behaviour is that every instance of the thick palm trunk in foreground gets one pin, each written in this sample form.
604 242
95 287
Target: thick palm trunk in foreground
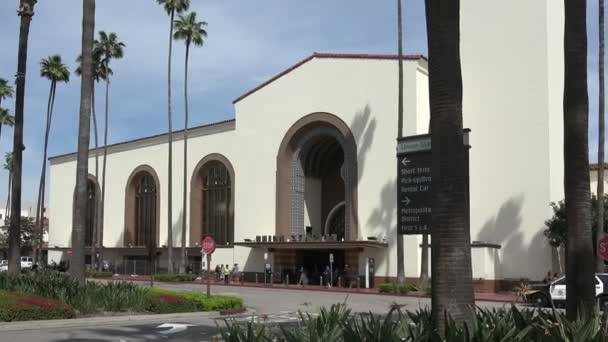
580 288
451 257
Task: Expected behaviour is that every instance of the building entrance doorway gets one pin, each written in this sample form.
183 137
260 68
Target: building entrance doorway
315 261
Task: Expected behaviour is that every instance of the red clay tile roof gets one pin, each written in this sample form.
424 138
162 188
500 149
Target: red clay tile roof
327 55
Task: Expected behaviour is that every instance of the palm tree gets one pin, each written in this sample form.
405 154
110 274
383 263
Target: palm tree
8 166
26 12
86 88
580 288
171 7
6 119
6 91
108 47
451 256
400 264
601 136
97 75
191 32
53 69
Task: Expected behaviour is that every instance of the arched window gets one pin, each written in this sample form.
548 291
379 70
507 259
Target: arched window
217 219
142 209
91 213
145 210
212 201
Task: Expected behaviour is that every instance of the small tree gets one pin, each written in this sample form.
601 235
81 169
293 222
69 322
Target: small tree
556 230
28 235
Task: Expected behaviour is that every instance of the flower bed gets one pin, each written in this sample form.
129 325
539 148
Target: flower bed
93 298
16 306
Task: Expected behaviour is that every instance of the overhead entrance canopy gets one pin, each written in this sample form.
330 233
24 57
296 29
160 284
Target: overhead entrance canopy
314 244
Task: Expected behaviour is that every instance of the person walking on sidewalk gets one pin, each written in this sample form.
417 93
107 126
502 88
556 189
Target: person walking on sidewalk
227 274
218 272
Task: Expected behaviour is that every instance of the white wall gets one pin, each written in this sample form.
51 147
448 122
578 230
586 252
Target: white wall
512 80
363 93
122 160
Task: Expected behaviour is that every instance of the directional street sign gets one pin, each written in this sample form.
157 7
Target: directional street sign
414 185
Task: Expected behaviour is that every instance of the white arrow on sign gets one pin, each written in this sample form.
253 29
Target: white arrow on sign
406 201
405 161
175 328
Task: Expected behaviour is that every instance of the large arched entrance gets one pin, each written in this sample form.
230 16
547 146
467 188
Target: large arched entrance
317 179
142 209
212 200
92 211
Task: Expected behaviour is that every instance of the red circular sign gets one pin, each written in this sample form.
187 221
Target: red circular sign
208 245
603 246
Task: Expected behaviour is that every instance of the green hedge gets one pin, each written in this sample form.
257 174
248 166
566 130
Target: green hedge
202 302
174 277
22 307
94 274
394 288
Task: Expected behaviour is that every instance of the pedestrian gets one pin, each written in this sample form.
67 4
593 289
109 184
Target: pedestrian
235 273
303 278
227 274
221 273
327 275
217 272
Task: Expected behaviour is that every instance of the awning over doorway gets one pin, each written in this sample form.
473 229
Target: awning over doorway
314 244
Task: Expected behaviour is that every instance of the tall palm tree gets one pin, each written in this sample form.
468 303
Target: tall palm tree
6 119
108 47
601 136
26 12
191 31
82 162
53 69
580 289
171 7
400 261
6 92
451 256
97 75
8 166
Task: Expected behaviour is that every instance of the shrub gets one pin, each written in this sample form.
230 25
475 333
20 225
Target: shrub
387 288
202 302
174 277
169 303
506 325
92 274
16 306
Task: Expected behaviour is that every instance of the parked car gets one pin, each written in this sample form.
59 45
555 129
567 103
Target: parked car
554 293
26 262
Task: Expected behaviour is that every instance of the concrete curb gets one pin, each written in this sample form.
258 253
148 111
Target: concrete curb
104 320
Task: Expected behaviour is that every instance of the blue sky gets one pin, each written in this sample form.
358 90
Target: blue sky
249 41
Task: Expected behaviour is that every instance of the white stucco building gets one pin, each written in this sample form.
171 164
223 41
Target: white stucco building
311 152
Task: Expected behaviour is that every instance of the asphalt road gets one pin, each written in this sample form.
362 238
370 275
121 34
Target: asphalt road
271 305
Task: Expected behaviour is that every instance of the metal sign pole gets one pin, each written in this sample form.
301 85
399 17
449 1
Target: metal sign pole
208 275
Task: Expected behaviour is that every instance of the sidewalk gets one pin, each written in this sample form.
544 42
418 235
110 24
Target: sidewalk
479 296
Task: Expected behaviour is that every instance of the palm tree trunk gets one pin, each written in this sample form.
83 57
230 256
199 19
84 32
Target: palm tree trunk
400 252
41 185
96 230
451 258
80 206
170 159
423 282
7 211
580 288
185 210
601 136
105 156
26 11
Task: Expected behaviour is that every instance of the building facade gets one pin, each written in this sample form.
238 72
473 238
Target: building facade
308 166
